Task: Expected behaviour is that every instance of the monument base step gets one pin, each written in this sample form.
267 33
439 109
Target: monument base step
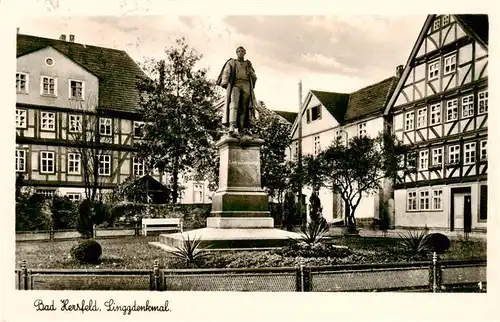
231 237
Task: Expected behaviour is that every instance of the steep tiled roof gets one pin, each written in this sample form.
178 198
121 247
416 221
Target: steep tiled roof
116 70
370 99
335 103
477 25
289 116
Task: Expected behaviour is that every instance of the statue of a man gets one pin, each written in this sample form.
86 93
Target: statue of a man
238 78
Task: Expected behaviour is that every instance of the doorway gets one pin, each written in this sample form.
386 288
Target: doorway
461 210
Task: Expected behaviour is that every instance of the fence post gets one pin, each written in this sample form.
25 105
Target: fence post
51 233
24 273
136 230
156 273
94 231
434 273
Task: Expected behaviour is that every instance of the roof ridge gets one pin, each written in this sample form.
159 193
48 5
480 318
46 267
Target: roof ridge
72 43
375 84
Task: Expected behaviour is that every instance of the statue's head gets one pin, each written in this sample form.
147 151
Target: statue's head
240 52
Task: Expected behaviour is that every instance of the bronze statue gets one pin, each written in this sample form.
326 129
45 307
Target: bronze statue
238 78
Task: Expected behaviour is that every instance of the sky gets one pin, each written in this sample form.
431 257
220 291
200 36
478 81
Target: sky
338 53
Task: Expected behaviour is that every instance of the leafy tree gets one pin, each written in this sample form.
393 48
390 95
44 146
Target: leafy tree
177 103
357 169
276 135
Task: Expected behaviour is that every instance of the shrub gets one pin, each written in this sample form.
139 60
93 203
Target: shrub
315 208
33 213
189 251
84 224
87 251
414 242
314 232
303 249
197 218
64 213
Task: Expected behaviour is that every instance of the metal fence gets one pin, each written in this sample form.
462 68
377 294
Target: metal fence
417 276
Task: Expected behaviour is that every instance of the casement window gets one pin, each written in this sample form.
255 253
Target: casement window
468 106
74 163
409 119
437 199
74 196
48 121
21 118
47 162
450 64
138 129
315 112
424 200
482 102
411 200
423 160
484 150
362 129
411 160
422 118
22 80
436 114
436 25
138 166
105 126
445 20
339 136
433 70
75 123
437 156
454 154
76 89
104 165
45 192
470 153
198 193
20 160
48 86
483 202
452 110
317 145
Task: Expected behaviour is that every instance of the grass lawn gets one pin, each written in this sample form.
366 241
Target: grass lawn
136 253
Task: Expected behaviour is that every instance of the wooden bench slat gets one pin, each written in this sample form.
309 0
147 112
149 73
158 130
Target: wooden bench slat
156 224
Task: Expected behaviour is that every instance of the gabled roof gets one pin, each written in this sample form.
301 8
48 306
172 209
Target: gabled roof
289 116
476 25
116 70
361 103
335 103
371 99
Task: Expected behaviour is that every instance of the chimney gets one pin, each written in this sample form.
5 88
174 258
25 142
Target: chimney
17 30
399 71
62 37
72 38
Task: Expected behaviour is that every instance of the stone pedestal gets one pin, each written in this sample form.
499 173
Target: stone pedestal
240 216
240 202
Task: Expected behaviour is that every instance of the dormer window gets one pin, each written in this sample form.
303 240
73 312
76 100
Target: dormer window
313 113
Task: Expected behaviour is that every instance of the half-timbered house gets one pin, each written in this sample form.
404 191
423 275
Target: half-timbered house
60 86
439 110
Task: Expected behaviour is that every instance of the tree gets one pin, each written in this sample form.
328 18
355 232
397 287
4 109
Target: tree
357 169
88 138
182 122
276 135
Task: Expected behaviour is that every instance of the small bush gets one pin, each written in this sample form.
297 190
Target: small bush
84 223
64 213
303 249
197 218
189 251
88 251
414 242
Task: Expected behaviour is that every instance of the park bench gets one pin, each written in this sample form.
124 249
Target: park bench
161 224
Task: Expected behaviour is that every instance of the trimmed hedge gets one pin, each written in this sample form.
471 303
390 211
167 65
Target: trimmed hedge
87 251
